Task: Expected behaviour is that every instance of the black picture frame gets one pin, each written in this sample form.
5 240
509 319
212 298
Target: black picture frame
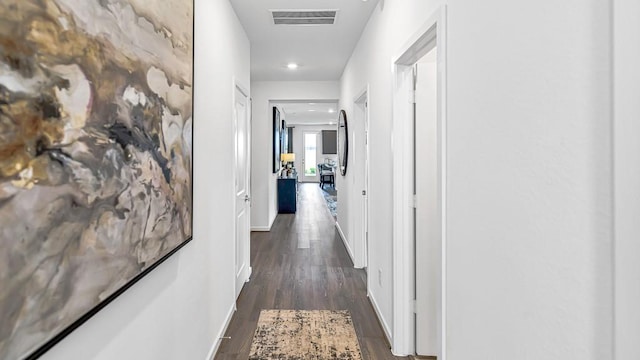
276 140
290 139
329 142
343 142
284 139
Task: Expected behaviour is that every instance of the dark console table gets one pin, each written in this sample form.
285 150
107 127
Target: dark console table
287 195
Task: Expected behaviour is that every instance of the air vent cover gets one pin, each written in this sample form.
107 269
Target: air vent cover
304 17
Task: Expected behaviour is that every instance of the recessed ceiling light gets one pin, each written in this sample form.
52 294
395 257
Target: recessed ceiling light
331 111
311 110
292 66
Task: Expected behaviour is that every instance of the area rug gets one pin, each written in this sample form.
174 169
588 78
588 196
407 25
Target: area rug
331 198
305 335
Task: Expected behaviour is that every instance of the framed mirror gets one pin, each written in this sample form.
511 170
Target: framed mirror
343 142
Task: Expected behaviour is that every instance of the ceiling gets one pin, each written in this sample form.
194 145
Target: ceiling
321 51
309 113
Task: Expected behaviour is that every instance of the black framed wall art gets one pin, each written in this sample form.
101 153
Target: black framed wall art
284 139
96 159
276 140
329 142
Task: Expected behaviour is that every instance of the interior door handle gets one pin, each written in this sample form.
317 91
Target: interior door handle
364 192
247 198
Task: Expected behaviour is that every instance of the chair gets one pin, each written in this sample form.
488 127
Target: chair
327 176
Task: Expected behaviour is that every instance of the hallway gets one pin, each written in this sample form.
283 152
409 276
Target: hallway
302 264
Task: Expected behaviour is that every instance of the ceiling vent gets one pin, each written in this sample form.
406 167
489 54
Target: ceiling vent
304 17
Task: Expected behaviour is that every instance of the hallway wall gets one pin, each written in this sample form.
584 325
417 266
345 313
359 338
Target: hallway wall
529 226
264 204
179 309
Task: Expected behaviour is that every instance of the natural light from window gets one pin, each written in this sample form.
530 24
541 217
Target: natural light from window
310 154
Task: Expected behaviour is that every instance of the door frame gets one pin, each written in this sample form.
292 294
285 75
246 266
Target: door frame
237 85
361 255
626 176
433 33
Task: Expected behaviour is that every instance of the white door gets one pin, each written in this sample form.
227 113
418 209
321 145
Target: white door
310 157
428 220
242 211
360 165
365 191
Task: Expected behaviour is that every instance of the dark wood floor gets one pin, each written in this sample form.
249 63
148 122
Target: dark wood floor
302 264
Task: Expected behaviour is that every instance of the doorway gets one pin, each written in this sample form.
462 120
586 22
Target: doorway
360 141
310 171
242 129
420 192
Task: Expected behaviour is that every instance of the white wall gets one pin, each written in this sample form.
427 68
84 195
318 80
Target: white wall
529 213
298 145
627 177
179 309
264 204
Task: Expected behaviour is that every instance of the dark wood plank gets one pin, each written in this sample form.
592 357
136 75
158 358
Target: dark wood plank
302 264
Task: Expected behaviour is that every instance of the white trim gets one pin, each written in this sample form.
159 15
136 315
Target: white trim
261 228
403 275
344 240
361 257
245 270
626 176
385 327
431 34
243 89
216 344
275 215
265 228
360 94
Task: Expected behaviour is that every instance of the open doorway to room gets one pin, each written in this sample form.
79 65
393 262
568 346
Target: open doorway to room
311 127
309 156
360 167
420 193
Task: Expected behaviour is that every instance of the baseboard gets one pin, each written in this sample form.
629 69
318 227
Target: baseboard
216 344
261 228
376 308
344 240
264 228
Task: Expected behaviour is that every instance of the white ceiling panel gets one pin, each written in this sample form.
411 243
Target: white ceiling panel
308 113
321 51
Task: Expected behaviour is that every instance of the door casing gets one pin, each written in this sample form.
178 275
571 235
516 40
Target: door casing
360 157
431 34
242 191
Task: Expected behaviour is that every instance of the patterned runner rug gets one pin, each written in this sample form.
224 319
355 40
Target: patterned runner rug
331 198
305 335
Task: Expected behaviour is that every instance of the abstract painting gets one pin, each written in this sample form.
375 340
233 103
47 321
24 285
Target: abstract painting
95 157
